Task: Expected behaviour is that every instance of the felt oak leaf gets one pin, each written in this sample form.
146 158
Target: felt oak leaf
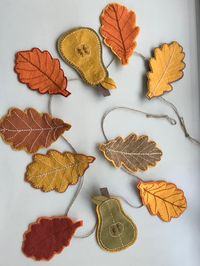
165 67
30 130
41 72
48 236
119 30
56 171
163 199
134 152
81 48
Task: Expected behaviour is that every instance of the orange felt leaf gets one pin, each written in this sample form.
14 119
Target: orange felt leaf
119 30
48 236
30 130
163 199
41 72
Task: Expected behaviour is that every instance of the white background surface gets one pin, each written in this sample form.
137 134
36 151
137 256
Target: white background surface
25 24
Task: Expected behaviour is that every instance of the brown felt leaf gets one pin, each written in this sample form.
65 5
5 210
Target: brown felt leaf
30 130
166 67
163 199
41 72
134 152
48 236
119 30
56 171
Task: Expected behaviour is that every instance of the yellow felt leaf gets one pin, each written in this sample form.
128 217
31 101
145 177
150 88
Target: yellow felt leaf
108 84
166 67
163 199
56 171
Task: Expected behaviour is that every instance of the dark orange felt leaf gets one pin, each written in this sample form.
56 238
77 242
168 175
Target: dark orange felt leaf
41 72
163 199
119 30
30 130
48 236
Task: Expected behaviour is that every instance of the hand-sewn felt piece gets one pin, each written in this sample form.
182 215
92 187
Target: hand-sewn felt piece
115 230
163 199
108 84
134 152
48 236
56 171
41 72
166 67
81 48
29 130
119 30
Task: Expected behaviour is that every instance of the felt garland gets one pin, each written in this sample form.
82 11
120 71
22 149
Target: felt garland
161 198
29 130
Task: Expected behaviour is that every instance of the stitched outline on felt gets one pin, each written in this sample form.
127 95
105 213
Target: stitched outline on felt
59 47
123 165
42 114
99 227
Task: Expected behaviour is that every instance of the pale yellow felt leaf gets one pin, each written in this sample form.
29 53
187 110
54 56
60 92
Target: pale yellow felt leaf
166 67
56 171
108 84
163 199
134 152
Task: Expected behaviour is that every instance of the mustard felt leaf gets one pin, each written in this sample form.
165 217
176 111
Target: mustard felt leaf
56 171
166 67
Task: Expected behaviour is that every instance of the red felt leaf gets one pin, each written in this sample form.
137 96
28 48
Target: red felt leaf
41 72
48 236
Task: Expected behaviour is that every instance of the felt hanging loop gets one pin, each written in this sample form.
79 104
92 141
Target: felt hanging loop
104 192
